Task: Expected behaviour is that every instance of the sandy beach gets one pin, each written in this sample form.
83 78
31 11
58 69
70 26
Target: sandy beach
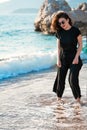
28 103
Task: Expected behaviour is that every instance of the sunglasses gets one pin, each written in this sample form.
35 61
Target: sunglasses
60 23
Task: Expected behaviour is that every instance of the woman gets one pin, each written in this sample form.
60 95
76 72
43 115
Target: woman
69 41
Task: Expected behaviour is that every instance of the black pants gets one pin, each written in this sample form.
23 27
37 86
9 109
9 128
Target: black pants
59 84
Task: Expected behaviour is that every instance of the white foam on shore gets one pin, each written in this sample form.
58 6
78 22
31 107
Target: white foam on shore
26 63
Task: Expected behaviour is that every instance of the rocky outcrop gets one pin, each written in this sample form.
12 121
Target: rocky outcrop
43 19
83 6
51 7
79 18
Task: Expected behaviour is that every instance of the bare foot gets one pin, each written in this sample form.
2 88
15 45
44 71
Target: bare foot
60 101
78 100
58 98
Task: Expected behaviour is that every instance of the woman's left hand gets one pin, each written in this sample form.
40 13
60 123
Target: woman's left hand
76 60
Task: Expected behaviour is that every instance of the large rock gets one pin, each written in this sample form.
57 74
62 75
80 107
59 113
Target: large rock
51 7
83 6
43 19
79 18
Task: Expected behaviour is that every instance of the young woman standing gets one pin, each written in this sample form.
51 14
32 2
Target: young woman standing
69 42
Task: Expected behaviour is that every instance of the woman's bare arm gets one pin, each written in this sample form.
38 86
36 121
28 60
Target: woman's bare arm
76 59
58 56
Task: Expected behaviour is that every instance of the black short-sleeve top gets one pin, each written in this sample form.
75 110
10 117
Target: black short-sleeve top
68 38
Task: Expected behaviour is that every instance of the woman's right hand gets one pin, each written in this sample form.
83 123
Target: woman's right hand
59 63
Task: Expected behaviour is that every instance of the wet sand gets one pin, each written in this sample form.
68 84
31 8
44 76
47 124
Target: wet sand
28 103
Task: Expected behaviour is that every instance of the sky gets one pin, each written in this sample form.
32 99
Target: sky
7 6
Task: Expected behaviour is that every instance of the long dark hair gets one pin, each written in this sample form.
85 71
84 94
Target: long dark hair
54 25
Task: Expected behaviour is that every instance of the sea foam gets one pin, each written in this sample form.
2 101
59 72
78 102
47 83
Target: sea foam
15 66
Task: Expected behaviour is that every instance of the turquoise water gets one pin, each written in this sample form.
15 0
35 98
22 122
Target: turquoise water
22 50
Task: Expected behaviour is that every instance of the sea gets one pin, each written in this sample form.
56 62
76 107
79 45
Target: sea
27 74
23 50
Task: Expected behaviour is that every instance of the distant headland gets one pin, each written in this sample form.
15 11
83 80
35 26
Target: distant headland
25 10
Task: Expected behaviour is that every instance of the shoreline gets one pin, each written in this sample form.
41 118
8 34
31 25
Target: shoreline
27 102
